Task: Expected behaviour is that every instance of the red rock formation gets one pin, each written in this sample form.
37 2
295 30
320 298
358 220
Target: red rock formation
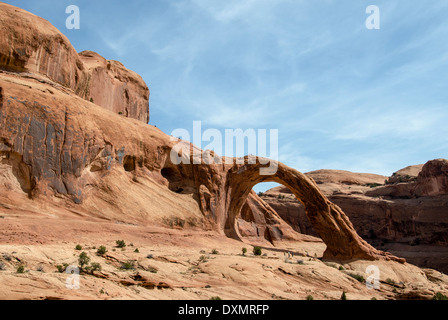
58 145
31 45
112 86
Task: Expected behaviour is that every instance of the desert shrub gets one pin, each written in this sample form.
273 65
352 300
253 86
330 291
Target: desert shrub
101 250
215 298
390 281
439 296
244 250
257 251
357 277
20 269
260 194
309 298
344 296
83 260
78 247
214 251
137 251
202 259
95 267
120 243
129 265
341 268
62 267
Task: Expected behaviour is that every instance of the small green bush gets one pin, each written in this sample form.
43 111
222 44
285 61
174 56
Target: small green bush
439 296
257 251
244 250
120 243
101 250
344 296
309 298
129 265
214 251
20 269
137 251
357 277
83 260
78 247
95 267
216 298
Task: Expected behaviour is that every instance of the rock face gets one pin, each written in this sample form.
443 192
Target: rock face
31 45
59 149
112 86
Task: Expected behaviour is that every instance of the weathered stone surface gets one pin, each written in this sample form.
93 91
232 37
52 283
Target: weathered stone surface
112 86
32 46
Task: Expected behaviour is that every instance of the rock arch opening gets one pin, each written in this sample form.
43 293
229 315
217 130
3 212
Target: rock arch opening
329 221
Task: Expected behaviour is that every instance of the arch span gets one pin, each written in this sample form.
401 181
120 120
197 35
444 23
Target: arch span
329 221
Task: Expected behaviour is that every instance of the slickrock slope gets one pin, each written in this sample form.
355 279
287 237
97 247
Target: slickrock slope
31 45
73 172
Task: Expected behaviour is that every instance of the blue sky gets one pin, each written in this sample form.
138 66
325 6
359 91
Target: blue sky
342 96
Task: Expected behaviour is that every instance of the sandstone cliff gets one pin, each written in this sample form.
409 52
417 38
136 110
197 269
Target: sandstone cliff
32 46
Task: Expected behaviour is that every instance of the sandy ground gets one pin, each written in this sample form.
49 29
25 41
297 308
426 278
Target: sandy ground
180 264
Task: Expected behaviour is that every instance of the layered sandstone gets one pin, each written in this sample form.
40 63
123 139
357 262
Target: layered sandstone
33 47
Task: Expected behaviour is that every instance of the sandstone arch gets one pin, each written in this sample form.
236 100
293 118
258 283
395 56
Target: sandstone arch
329 221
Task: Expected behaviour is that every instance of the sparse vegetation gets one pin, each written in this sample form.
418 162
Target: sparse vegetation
341 268
257 251
91 100
78 247
310 298
129 265
390 281
83 260
357 277
373 185
101 251
244 250
95 267
20 269
62 268
439 296
120 244
260 194
214 251
216 298
136 250
344 296
203 259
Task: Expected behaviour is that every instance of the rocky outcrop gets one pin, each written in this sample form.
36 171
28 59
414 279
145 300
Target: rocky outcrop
56 146
411 213
112 86
32 46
